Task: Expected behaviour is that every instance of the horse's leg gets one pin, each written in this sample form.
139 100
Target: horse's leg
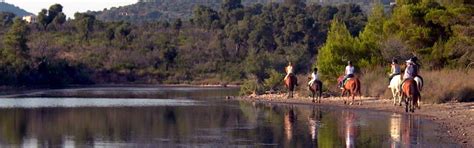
320 95
418 105
352 97
314 93
394 95
342 96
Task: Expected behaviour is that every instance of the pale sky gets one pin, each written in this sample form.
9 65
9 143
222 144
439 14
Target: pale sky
69 6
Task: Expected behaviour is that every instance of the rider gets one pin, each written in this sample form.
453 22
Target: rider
348 73
314 76
411 70
394 70
289 70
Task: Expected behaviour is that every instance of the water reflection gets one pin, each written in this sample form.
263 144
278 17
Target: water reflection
395 130
211 124
289 121
350 128
313 123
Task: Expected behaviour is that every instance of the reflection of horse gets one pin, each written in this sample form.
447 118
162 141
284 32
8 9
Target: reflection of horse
350 129
313 121
352 85
395 123
316 89
410 94
395 84
290 82
289 120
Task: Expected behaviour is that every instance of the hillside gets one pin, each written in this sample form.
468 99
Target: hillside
157 10
6 7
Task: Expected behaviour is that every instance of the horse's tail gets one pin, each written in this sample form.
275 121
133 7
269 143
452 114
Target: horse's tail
357 87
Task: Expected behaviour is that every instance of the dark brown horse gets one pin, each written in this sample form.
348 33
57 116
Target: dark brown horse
352 86
316 89
290 82
410 94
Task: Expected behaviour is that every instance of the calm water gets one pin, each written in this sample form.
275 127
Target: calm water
183 116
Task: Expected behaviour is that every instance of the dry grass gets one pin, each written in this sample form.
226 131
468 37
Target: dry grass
448 85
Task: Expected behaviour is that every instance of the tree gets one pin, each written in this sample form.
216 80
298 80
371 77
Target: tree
372 37
15 52
338 49
84 24
206 17
54 15
177 24
6 19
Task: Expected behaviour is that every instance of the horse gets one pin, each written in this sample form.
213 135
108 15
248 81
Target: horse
394 86
290 82
411 94
352 86
316 89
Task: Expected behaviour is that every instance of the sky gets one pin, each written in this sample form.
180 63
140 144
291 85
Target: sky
69 6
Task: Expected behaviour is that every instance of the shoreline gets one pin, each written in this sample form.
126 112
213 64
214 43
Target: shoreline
457 119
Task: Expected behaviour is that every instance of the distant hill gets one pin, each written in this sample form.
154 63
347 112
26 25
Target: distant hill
6 7
157 10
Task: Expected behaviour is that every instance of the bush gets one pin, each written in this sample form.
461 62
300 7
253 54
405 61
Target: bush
251 86
275 81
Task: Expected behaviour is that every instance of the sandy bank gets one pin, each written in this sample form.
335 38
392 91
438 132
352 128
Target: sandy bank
456 118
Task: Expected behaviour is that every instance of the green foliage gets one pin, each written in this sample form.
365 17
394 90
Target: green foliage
251 86
338 49
274 80
205 17
15 52
6 19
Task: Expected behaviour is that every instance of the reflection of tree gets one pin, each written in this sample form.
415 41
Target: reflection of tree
50 126
327 135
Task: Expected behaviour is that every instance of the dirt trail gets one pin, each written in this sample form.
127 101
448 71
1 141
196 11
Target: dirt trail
457 119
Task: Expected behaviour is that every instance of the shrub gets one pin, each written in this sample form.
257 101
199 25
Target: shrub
251 86
274 82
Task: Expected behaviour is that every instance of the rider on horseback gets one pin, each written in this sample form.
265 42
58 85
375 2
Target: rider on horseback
394 70
412 70
348 73
289 70
314 77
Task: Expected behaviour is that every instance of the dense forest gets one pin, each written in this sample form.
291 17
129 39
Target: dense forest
235 44
168 10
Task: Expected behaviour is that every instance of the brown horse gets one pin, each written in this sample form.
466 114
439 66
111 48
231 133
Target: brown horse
290 82
316 89
352 86
410 94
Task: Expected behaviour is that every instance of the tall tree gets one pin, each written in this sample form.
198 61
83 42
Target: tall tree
15 52
338 49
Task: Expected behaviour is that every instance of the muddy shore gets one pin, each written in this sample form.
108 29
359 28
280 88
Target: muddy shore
457 119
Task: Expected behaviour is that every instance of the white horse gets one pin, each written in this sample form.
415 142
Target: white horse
395 86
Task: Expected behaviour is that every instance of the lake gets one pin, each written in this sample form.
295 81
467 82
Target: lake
196 117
